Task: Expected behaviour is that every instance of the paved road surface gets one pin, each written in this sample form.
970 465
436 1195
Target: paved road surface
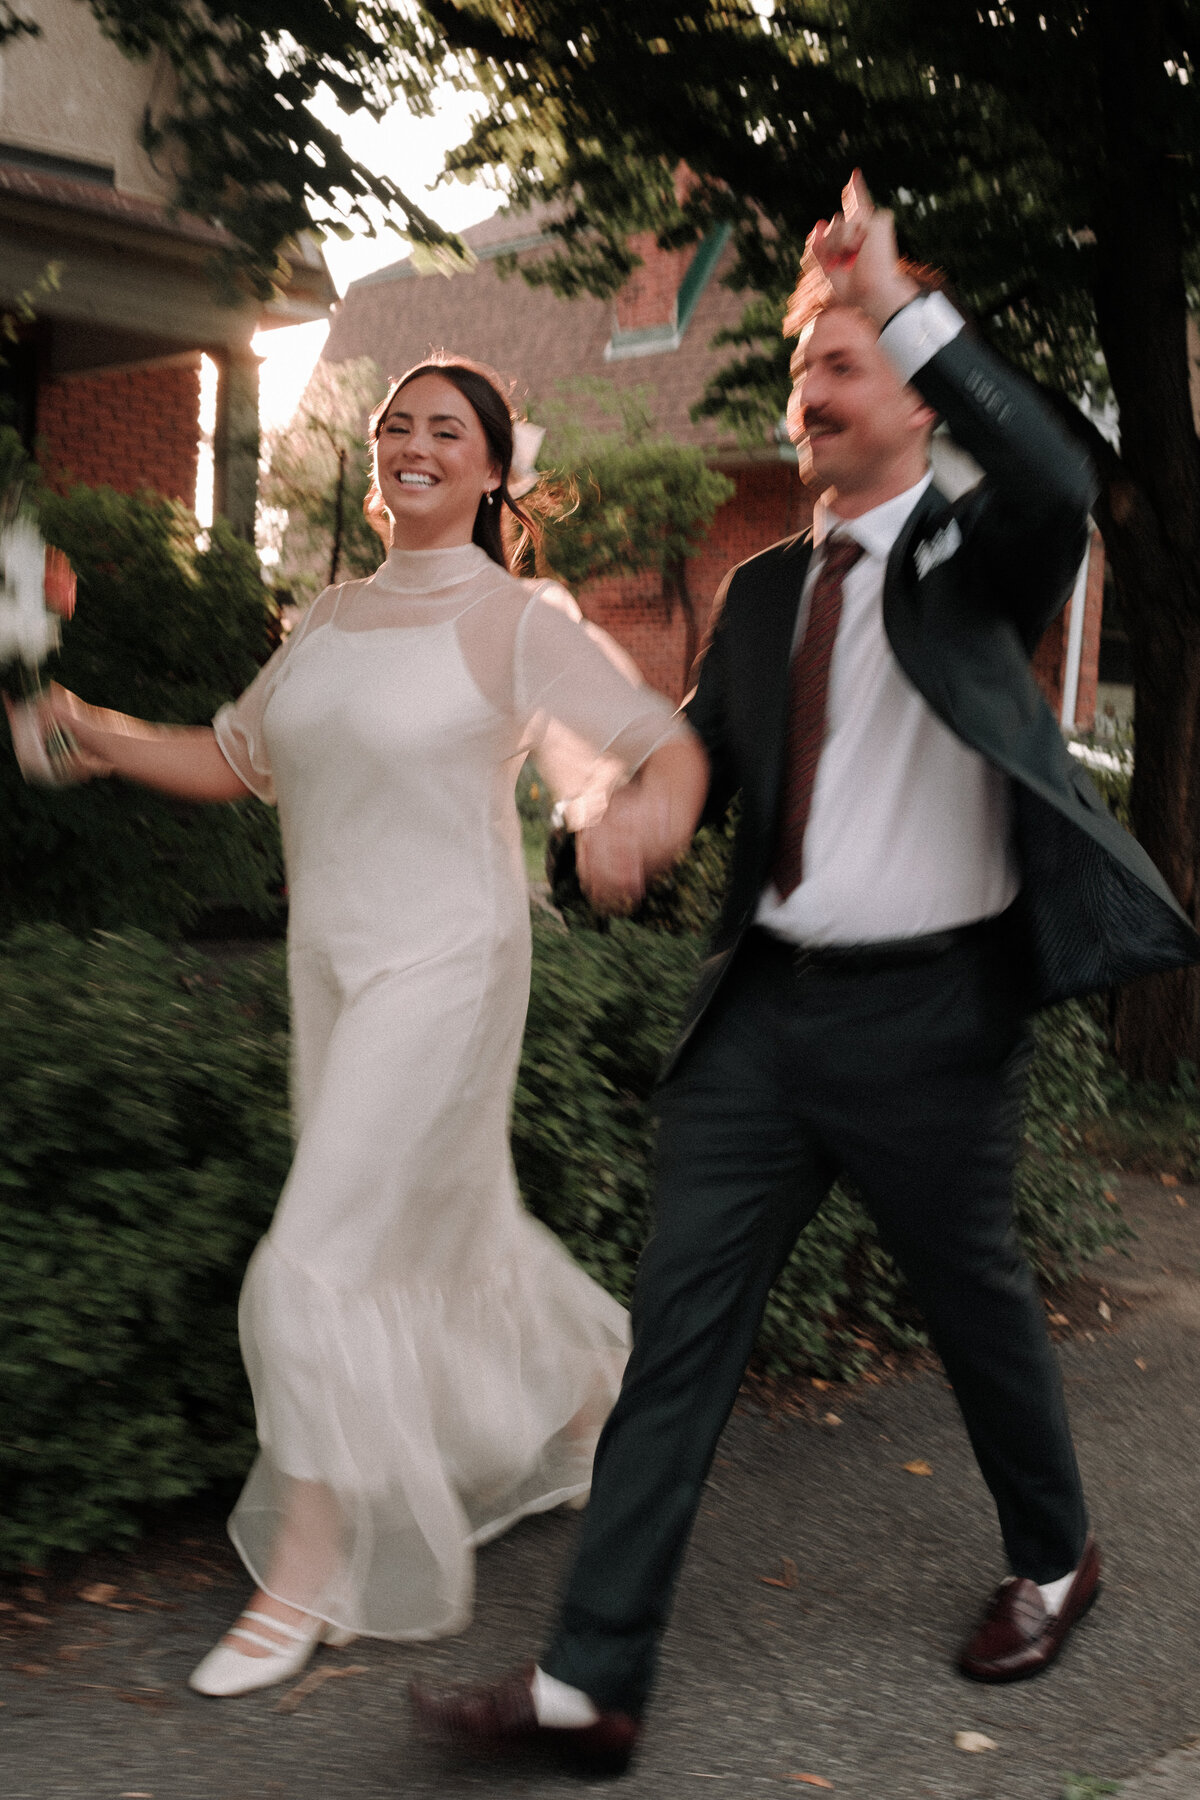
845 1676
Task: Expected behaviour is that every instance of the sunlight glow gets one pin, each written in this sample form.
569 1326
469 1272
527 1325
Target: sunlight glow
412 151
288 354
208 424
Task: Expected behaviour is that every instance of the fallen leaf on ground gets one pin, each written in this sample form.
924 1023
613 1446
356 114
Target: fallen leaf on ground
1057 1318
32 1619
788 1578
154 1699
1105 1311
1111 1197
831 1419
820 1385
31 1668
812 1780
973 1740
294 1696
918 1467
99 1593
1179 1200
1169 1180
1139 1362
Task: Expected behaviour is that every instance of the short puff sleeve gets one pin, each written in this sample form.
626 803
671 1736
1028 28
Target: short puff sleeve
590 720
239 729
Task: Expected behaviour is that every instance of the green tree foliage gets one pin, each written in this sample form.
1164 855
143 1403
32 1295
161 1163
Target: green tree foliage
643 502
1046 156
165 631
316 477
19 309
238 126
14 24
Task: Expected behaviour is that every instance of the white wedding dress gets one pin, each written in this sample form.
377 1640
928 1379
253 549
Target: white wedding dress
428 1364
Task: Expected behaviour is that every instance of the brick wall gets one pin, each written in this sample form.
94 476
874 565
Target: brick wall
648 297
1049 661
1089 660
634 610
126 429
769 504
1050 658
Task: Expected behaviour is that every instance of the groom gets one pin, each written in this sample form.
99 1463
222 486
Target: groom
918 864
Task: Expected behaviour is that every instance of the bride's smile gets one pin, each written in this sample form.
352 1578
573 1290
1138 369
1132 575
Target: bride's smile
433 465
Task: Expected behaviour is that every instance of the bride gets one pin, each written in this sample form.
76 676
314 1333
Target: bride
428 1364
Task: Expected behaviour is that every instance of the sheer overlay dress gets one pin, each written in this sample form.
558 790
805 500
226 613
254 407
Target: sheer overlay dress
428 1364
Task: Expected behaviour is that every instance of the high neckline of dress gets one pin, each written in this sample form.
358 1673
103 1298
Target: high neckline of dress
430 571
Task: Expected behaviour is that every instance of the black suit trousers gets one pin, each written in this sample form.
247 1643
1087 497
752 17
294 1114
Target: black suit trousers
909 1080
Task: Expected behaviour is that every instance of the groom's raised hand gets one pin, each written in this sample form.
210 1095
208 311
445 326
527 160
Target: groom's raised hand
856 253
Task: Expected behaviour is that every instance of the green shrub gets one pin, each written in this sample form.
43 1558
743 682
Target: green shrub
601 1019
1112 769
1151 1126
1062 1212
168 632
144 1140
684 903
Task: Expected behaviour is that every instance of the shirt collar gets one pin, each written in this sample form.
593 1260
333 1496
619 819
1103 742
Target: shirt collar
876 530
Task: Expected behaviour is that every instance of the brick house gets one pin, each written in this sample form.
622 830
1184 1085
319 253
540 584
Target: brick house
656 334
104 383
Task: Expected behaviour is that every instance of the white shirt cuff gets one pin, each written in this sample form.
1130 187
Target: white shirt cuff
918 331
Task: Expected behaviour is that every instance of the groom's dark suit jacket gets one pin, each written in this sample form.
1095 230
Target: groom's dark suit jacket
970 587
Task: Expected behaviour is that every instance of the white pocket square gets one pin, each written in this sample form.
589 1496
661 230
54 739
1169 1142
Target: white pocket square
937 549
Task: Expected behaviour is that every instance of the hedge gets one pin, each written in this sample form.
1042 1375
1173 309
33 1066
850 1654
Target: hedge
144 1139
168 631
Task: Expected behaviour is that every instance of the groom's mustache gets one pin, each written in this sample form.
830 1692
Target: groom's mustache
818 418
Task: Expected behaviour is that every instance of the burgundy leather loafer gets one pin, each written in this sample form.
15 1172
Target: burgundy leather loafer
498 1718
1018 1637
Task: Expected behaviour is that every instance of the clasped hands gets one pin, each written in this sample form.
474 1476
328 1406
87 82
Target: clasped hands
646 828
630 847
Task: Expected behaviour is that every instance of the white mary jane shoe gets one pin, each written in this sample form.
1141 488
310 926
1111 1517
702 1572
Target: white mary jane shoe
226 1671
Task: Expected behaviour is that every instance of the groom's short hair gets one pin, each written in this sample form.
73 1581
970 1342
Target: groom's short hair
812 294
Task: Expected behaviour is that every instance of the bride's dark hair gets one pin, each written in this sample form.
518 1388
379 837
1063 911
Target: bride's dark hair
483 390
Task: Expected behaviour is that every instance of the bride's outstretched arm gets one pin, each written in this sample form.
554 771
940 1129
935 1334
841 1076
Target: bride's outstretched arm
647 827
184 760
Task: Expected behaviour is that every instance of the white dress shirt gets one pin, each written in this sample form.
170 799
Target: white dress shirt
910 831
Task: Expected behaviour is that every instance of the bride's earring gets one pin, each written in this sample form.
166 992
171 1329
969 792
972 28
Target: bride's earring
491 496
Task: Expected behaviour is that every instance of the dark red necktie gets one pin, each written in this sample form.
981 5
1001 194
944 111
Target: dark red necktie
808 694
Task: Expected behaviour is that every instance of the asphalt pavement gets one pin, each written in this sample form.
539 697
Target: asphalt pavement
828 1586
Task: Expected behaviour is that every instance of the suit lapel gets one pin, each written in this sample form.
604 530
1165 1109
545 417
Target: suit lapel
764 678
925 543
